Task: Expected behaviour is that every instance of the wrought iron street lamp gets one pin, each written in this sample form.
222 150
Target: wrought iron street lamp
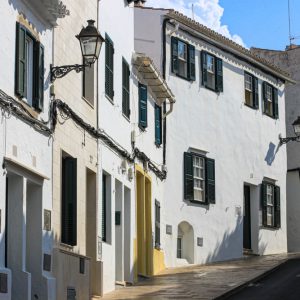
90 43
296 138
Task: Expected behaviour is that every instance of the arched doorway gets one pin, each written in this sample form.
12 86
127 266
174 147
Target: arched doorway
185 242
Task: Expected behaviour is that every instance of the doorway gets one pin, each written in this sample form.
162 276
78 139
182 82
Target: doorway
247 219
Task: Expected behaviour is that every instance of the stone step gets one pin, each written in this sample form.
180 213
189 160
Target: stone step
94 297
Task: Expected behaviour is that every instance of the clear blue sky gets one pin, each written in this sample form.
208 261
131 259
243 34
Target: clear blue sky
262 23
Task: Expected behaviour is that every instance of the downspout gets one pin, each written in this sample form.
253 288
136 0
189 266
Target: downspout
164 34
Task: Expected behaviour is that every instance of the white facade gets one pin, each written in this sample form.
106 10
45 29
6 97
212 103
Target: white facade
242 141
26 159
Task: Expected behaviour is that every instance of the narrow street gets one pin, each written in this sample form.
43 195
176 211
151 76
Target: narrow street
284 283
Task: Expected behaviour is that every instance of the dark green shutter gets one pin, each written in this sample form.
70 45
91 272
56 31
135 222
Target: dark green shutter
104 204
69 201
188 176
20 72
109 68
255 92
125 89
38 76
204 67
264 203
277 220
264 92
219 75
275 103
210 181
191 65
174 54
158 131
142 105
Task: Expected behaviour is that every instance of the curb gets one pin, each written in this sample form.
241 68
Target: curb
238 288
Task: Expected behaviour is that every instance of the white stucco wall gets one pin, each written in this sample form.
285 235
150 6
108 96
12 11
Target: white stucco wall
31 148
242 141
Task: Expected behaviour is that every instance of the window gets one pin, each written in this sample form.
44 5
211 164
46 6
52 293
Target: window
143 95
157 224
270 205
109 68
69 201
183 59
270 99
88 84
104 208
199 178
212 72
29 80
125 89
158 122
251 91
179 247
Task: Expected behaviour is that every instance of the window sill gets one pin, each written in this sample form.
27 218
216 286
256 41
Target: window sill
142 128
88 102
127 118
185 78
158 145
252 107
270 227
205 203
109 99
211 89
34 113
270 116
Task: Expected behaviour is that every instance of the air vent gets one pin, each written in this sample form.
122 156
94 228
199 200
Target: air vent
71 293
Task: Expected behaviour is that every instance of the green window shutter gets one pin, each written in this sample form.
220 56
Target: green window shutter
277 220
38 76
188 176
21 64
174 54
158 131
125 89
143 105
255 92
275 103
264 203
69 201
219 75
210 181
264 94
104 204
109 67
191 65
204 67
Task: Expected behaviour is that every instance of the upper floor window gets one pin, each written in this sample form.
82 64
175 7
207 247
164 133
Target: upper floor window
270 100
157 224
109 68
183 59
212 71
270 205
125 89
158 125
143 111
199 178
29 69
251 91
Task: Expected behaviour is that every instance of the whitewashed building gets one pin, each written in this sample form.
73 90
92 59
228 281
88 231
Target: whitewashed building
131 172
26 148
289 60
225 189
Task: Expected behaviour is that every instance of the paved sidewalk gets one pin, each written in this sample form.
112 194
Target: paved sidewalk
201 282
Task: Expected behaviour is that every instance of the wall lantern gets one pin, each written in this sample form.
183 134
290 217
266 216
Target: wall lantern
90 43
296 138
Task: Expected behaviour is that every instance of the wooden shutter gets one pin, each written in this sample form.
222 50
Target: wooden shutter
158 131
104 202
264 94
277 221
210 181
142 105
174 54
21 64
188 176
38 76
219 75
125 89
264 203
69 201
191 63
109 68
275 103
204 67
157 224
255 92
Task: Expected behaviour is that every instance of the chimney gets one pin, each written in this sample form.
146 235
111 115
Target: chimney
291 47
139 3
